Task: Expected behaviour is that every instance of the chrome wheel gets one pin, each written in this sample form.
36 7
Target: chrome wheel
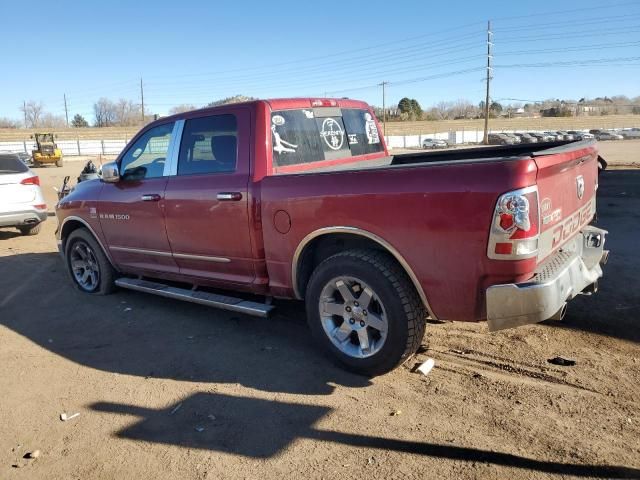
84 266
353 317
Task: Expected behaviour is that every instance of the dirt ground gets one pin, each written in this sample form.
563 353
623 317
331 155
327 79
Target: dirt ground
179 391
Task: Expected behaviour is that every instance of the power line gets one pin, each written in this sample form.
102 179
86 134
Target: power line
572 22
569 62
608 6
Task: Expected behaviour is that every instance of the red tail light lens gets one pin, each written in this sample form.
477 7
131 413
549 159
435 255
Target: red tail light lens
514 230
35 180
324 102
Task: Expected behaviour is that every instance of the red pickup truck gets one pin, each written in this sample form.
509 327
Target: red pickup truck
299 198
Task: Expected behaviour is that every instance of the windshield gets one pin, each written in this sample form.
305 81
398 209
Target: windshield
45 137
316 134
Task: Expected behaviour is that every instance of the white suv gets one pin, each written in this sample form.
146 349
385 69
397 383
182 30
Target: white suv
21 202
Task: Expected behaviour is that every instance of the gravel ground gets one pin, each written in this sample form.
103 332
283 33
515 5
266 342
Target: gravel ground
179 391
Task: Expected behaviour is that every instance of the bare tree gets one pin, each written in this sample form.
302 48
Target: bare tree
127 113
442 109
52 121
104 111
185 107
8 123
32 111
462 108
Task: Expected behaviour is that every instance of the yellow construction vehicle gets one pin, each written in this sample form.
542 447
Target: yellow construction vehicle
46 150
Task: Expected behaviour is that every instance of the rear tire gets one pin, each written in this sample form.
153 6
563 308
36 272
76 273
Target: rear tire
27 231
88 266
379 308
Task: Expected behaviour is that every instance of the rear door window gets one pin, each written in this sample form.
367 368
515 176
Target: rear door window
11 164
316 134
209 145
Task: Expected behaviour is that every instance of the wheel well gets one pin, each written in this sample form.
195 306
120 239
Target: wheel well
324 246
67 228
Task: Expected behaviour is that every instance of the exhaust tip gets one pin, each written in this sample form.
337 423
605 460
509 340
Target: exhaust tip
559 315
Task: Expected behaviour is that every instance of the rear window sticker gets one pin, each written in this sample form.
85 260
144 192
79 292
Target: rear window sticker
353 139
278 120
370 129
332 134
280 145
308 113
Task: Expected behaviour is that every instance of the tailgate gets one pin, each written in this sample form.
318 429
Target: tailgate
567 183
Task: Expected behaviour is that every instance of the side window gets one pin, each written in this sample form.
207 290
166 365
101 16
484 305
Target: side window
209 145
146 157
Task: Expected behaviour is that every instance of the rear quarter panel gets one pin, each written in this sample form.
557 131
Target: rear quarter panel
437 217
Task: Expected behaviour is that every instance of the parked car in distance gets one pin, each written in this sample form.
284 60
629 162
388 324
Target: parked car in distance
630 133
500 139
578 135
542 137
555 135
605 135
516 139
22 205
526 138
300 198
434 143
565 135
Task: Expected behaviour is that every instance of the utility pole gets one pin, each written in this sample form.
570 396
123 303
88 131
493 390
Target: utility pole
485 139
66 112
142 99
384 108
24 109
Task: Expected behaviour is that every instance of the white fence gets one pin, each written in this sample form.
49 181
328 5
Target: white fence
71 147
114 147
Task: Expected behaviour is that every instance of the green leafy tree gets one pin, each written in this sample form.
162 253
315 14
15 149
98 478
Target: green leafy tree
416 109
78 121
404 105
495 107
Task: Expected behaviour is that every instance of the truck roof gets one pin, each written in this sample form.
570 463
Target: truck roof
277 104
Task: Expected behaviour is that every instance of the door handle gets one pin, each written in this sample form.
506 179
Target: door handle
150 197
229 196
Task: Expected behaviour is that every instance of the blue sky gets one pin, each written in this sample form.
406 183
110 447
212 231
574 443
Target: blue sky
199 51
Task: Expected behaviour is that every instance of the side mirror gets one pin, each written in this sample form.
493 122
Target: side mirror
110 172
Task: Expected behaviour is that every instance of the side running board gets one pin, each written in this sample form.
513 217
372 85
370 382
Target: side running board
203 298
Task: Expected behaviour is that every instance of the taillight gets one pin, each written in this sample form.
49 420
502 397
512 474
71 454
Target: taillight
324 102
35 180
515 226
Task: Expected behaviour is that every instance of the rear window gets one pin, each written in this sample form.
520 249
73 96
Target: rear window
11 164
317 134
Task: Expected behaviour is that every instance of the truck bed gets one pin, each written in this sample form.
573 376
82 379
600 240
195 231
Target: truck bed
464 155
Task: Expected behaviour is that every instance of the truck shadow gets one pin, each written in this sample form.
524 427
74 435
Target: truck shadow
259 428
136 334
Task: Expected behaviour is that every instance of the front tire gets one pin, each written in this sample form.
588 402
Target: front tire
363 309
87 264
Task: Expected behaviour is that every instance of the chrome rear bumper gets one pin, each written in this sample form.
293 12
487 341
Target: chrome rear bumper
558 279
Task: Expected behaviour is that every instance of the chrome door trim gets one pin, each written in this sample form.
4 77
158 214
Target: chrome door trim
143 251
171 163
205 258
363 233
